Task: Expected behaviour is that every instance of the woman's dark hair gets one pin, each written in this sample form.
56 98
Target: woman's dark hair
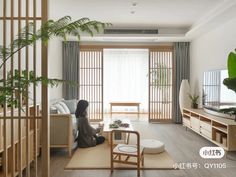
81 108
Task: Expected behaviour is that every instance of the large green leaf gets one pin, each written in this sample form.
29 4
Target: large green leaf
61 28
230 83
231 111
232 65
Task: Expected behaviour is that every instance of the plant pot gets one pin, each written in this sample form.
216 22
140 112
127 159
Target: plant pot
194 105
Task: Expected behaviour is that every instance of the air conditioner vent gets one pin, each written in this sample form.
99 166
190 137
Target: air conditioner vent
130 31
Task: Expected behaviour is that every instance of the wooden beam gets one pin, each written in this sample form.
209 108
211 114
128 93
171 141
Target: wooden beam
102 85
35 121
20 98
150 47
27 100
5 153
21 18
12 108
45 119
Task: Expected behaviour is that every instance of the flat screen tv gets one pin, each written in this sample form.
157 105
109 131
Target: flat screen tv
216 95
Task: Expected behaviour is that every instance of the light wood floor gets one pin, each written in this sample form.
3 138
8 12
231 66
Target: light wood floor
182 145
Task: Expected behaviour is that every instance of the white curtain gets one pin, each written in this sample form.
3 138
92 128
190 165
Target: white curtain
125 78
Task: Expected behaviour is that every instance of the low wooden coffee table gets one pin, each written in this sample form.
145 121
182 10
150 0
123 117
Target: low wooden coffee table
107 130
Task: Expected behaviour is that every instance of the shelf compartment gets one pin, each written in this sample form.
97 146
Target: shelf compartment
194 115
221 127
186 112
186 115
217 136
204 119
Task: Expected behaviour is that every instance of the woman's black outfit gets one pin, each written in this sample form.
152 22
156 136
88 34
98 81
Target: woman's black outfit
87 134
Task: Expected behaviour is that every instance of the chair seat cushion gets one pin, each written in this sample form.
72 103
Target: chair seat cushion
126 149
152 146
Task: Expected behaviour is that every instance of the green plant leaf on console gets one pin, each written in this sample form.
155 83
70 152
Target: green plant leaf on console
232 65
230 83
230 111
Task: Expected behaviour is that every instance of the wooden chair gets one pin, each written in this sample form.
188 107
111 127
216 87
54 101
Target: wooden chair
121 153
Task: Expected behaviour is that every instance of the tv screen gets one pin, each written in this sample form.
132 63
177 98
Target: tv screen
216 95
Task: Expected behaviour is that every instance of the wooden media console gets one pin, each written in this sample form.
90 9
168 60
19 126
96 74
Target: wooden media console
220 131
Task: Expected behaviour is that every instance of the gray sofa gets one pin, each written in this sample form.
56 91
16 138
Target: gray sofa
63 124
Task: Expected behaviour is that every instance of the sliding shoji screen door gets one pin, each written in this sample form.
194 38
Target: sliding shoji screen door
160 84
20 129
91 81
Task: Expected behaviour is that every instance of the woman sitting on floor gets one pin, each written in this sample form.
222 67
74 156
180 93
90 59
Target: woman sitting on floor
87 134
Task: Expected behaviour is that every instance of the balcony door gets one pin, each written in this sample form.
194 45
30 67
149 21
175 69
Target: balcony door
91 81
160 85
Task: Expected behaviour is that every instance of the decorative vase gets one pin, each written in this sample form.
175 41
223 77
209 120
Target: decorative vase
184 100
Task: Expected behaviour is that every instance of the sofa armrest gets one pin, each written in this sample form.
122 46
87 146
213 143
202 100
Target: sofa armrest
61 130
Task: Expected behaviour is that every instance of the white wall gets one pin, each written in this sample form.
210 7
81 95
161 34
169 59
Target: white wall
55 66
210 52
56 11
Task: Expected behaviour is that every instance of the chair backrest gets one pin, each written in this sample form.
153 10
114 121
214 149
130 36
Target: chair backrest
126 131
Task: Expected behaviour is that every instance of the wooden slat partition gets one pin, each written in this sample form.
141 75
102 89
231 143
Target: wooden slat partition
5 150
27 100
12 109
19 167
91 81
160 85
45 117
35 122
20 128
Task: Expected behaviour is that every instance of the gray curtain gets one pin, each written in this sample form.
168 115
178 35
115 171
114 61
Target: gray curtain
70 69
182 67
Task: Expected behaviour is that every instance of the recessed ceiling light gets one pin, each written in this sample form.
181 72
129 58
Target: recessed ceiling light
134 4
132 12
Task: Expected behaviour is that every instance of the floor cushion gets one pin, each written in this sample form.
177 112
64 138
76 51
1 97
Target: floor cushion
152 146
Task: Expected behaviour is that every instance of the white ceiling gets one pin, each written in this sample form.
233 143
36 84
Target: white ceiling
188 15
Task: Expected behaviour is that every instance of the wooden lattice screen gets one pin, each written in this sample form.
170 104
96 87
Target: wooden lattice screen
160 85
20 128
91 81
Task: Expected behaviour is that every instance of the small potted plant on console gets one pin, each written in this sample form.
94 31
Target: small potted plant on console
194 99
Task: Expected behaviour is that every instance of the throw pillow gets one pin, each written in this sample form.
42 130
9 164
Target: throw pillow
71 104
60 109
67 111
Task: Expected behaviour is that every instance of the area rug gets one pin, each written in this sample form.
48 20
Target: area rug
99 157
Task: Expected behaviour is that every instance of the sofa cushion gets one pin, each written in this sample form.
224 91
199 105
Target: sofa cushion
71 104
74 126
60 109
66 109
